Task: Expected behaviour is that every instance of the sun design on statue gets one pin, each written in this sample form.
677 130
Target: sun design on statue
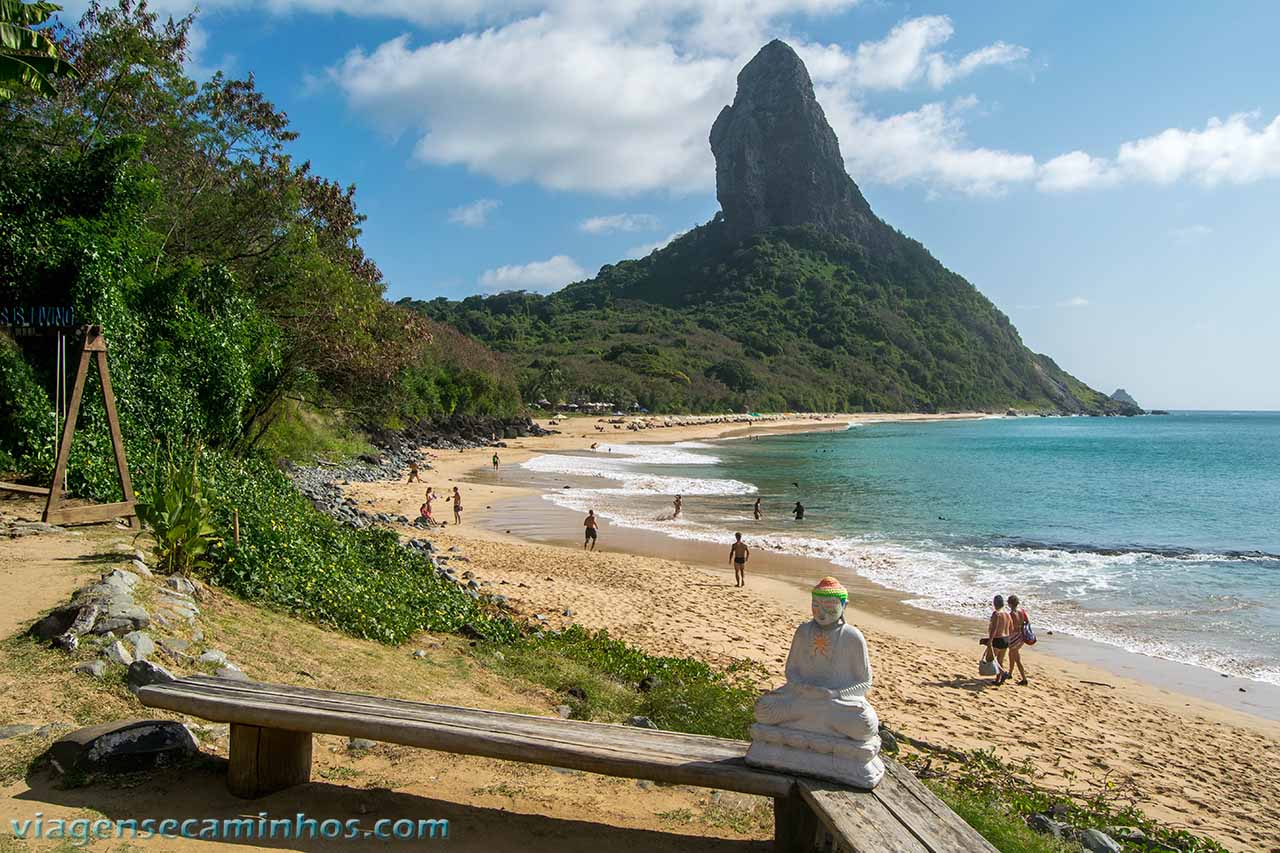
821 643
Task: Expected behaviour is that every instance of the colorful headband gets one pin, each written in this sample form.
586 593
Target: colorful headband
832 588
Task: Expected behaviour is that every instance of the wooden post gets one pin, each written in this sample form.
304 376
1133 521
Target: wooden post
795 826
95 346
235 525
264 761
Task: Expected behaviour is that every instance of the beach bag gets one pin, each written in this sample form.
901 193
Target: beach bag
987 665
1028 635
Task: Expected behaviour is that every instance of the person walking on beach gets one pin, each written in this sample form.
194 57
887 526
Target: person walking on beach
592 524
1019 620
413 472
739 553
457 506
756 510
678 503
798 511
999 627
495 461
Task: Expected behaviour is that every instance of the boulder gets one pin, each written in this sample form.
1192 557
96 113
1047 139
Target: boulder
1046 825
179 583
213 656
232 673
141 643
1096 841
123 746
118 654
641 723
144 672
15 730
94 668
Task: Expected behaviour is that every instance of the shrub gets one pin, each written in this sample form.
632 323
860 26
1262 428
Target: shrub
178 517
292 556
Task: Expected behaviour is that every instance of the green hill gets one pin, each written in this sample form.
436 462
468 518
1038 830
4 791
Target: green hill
797 296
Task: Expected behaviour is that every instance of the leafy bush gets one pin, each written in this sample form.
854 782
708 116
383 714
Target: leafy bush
294 557
178 517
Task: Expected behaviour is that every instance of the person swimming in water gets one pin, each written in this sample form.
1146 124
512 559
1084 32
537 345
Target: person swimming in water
798 511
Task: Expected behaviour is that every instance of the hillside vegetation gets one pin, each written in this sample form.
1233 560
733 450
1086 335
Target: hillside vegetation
792 318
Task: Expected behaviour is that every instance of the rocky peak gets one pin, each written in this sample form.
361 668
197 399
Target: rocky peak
778 160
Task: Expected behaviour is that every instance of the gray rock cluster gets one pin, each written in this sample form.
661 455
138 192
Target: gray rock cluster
778 161
123 746
1092 840
16 529
106 606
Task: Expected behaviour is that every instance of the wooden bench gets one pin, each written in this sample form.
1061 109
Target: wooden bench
272 725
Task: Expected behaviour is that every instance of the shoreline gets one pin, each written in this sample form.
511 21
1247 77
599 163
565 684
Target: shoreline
1199 763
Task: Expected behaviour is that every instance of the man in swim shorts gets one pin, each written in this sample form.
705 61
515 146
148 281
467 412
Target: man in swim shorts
739 553
591 524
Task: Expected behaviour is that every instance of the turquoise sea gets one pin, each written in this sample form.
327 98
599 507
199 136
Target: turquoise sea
1158 534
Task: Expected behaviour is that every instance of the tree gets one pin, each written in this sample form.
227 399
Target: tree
28 57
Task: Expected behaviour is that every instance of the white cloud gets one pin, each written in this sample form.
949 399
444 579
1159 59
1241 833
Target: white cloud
475 214
1225 152
619 98
1074 302
925 146
647 248
907 56
619 222
545 276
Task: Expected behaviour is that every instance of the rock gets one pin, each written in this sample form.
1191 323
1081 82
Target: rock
358 744
1130 834
564 711
178 583
174 644
141 568
144 672
420 654
471 632
123 746
1098 842
213 656
1046 825
94 668
778 161
15 730
141 644
644 784
567 612
641 723
118 654
888 743
577 693
231 672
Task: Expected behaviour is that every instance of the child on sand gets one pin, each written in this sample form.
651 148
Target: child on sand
1019 620
495 462
427 507
413 472
457 505
739 553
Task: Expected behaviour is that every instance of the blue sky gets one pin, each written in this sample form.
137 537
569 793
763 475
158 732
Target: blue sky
1107 174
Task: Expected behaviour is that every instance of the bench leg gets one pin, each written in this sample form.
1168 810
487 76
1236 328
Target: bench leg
795 826
264 761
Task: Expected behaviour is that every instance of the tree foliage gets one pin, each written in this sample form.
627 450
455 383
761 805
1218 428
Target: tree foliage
29 59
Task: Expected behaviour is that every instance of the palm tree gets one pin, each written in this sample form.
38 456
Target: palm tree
28 58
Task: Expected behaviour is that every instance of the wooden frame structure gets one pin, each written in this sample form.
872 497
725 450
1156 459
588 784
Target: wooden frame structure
95 347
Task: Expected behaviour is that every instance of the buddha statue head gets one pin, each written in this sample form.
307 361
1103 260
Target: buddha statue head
829 600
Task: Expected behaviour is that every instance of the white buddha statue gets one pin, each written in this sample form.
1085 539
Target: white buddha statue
819 723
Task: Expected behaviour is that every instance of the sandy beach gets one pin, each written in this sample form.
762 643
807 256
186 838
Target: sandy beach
1194 763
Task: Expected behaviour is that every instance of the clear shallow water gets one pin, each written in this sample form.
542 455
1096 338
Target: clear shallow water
1158 534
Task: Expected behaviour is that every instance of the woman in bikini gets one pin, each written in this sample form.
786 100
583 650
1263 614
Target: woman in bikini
998 630
1019 619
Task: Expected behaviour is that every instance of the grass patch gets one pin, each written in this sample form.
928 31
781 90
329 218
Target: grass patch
601 678
994 821
996 798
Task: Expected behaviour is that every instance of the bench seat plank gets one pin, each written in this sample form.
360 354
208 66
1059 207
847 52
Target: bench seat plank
928 817
592 747
859 822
